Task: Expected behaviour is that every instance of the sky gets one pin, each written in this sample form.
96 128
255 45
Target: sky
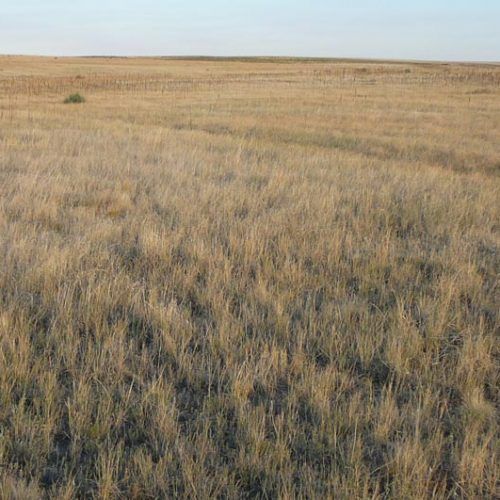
454 30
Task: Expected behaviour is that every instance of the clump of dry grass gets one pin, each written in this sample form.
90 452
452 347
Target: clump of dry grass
248 279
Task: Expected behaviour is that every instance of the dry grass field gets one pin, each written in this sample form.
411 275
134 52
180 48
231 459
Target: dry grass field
248 279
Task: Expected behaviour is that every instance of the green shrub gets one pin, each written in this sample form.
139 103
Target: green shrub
74 99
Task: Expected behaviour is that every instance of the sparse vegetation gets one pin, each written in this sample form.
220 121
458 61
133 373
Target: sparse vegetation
271 279
74 98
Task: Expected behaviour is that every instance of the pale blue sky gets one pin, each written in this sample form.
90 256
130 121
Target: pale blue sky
425 29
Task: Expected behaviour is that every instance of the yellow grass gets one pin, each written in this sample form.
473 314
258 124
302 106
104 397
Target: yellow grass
271 279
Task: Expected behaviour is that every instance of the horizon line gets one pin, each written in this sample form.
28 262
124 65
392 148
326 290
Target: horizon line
263 58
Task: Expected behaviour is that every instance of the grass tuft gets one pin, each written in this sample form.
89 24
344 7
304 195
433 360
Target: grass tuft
74 99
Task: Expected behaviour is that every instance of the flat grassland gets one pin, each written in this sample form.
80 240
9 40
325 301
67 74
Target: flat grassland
248 278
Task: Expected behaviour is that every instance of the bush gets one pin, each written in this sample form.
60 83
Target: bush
74 99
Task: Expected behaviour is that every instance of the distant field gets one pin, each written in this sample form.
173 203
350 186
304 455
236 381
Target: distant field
248 279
